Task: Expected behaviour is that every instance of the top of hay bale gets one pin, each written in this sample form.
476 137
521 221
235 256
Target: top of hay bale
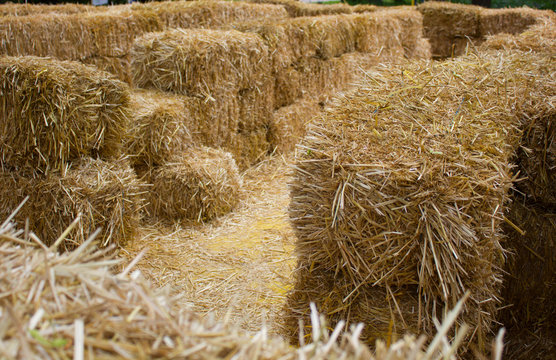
299 8
199 62
55 111
404 180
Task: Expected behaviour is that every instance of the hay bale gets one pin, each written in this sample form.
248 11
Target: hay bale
289 123
392 188
199 62
200 185
363 8
11 9
160 129
118 66
75 36
298 8
106 195
530 280
508 21
450 26
538 38
210 14
53 112
336 299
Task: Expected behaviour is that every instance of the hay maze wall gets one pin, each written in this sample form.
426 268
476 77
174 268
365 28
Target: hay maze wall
195 106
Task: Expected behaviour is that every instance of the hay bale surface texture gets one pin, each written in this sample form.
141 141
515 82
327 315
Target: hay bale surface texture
403 183
200 185
53 112
210 14
160 128
105 195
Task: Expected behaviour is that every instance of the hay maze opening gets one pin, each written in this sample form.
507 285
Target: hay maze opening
277 180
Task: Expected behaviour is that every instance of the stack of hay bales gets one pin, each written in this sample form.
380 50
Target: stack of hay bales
311 58
61 122
399 193
224 75
187 181
103 39
451 28
210 13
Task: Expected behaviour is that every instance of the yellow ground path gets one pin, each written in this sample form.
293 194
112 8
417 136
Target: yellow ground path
238 267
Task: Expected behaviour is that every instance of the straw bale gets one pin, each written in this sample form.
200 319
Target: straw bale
199 62
335 298
445 18
404 181
211 14
530 280
54 111
86 302
289 123
362 8
448 26
508 21
16 9
539 38
119 66
105 195
75 36
298 9
536 156
159 130
411 35
199 185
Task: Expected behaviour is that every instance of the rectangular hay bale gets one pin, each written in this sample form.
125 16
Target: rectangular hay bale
105 195
55 111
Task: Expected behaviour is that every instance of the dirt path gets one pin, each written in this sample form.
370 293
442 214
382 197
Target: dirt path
238 267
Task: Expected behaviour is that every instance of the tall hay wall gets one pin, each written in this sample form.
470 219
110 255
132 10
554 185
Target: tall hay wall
451 28
396 212
312 58
63 125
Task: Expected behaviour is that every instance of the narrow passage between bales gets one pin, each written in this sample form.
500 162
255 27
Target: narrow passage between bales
239 266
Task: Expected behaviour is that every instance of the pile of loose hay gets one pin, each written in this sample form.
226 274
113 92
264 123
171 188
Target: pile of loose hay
400 189
209 13
53 112
104 195
199 185
87 310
